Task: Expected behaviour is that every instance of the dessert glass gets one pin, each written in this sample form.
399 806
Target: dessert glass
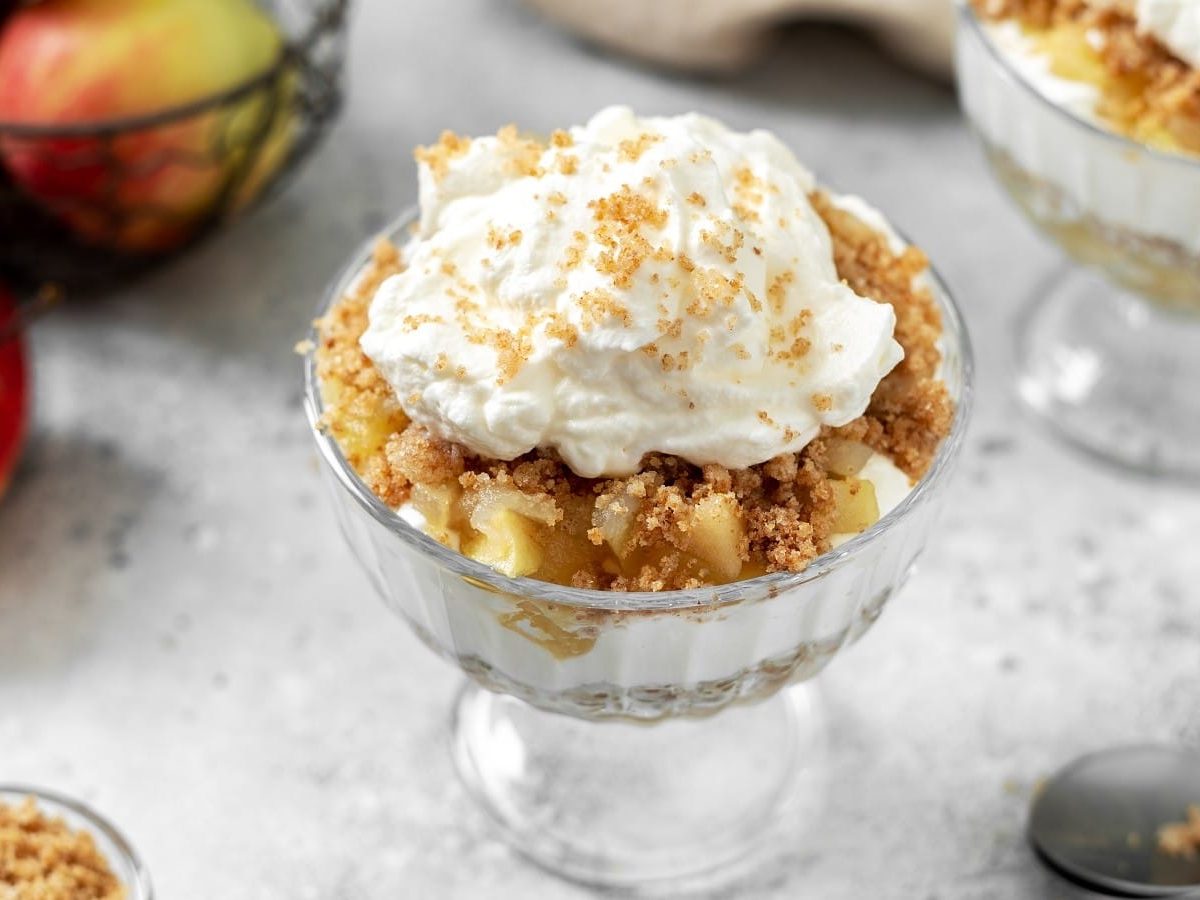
585 729
113 846
1108 352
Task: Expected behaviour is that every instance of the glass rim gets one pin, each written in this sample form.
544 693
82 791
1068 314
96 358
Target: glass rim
329 14
967 17
484 576
141 888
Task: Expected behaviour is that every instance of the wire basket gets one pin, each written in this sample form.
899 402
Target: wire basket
83 206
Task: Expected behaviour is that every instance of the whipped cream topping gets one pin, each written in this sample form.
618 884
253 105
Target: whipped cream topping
634 285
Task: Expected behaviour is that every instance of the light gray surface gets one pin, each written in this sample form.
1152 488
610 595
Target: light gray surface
185 641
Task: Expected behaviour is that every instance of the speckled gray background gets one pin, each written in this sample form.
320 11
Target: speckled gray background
185 642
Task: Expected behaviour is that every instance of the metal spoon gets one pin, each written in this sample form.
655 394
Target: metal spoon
1097 821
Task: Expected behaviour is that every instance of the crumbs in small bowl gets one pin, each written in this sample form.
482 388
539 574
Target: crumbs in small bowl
1182 839
41 858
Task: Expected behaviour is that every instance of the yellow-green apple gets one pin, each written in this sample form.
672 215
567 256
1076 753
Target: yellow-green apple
81 63
14 390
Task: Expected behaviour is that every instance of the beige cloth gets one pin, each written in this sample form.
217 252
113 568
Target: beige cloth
723 35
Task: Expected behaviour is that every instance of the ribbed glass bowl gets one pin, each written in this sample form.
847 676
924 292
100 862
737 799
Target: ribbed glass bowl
704 790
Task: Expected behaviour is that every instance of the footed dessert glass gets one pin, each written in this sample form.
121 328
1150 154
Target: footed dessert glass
586 728
1108 353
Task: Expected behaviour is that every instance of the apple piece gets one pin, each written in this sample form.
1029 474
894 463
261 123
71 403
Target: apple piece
362 423
716 535
438 504
509 544
857 508
844 458
506 521
616 521
83 63
565 545
14 391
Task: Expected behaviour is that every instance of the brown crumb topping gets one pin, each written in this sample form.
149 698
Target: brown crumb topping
43 859
632 150
672 525
437 156
498 239
1146 92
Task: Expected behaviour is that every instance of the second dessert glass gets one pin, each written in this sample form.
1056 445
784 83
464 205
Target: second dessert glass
586 728
1108 353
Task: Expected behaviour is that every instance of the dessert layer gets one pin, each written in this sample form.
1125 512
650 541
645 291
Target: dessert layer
673 524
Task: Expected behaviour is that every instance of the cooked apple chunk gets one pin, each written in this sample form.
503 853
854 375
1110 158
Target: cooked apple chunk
438 504
844 459
506 521
857 508
364 422
509 544
716 535
616 521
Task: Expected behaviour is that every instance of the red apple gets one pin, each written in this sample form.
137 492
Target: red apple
83 64
14 391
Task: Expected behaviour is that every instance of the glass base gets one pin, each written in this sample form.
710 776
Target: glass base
687 803
1116 375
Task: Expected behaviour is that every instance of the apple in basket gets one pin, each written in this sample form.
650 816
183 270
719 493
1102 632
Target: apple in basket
14 389
110 118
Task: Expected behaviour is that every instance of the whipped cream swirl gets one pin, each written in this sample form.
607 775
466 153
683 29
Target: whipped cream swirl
633 285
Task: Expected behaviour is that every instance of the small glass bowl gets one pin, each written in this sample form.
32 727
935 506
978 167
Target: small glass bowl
1108 354
113 846
593 793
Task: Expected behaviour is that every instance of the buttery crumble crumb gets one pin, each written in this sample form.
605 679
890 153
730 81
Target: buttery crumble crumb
746 213
598 306
787 505
437 156
632 150
498 239
777 290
